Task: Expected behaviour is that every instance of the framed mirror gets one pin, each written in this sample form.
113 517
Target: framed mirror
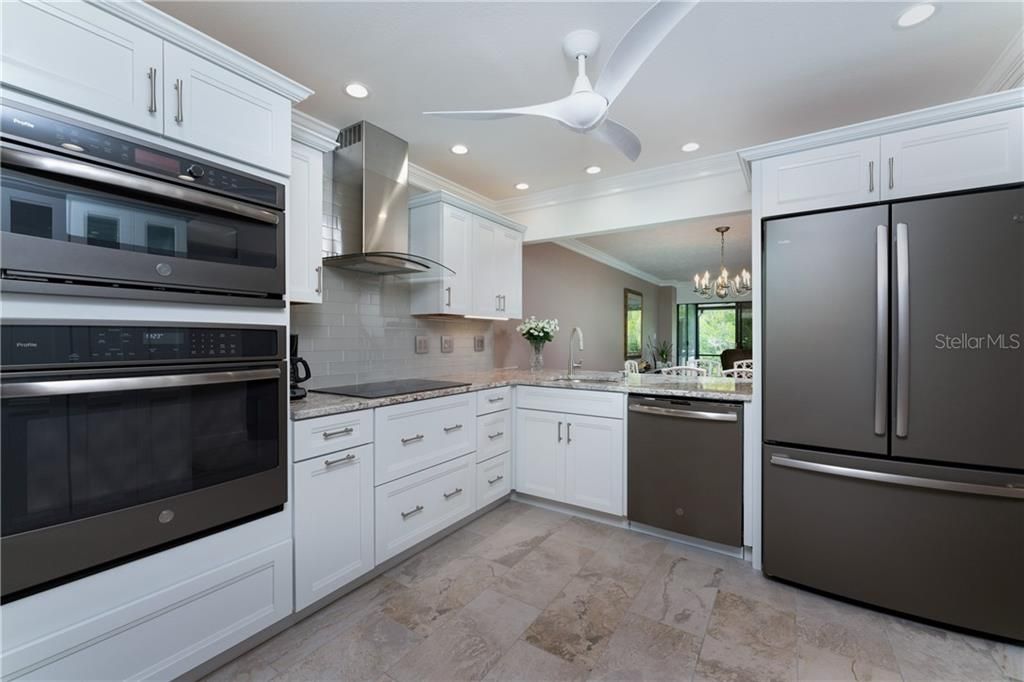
634 323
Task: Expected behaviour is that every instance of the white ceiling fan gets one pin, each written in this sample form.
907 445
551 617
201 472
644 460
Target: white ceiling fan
585 109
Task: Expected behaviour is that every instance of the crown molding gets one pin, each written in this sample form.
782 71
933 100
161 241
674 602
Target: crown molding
432 182
683 171
446 197
975 106
178 32
313 132
611 261
1008 70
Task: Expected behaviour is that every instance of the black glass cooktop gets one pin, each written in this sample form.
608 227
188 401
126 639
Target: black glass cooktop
386 389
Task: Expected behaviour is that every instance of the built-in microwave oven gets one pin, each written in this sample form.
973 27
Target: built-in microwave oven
87 212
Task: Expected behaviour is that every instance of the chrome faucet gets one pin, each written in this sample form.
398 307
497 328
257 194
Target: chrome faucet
574 365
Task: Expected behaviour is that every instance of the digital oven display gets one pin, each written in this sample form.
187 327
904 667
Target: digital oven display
150 159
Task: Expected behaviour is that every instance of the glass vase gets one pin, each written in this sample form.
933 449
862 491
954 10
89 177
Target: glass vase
537 362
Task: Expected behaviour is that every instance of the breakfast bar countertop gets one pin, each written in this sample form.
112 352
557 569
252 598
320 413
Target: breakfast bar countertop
702 388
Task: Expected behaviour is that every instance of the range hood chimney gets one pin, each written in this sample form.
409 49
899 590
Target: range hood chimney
371 175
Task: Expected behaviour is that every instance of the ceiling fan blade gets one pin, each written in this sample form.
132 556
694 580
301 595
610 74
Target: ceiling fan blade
553 110
638 44
620 137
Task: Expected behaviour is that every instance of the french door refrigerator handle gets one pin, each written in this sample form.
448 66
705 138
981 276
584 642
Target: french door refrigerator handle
30 389
881 327
903 330
899 479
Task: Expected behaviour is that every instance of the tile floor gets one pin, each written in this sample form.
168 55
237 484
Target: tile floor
525 593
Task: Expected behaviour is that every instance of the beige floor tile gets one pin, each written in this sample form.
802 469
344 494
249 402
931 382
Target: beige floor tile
814 665
362 652
738 618
541 519
679 592
584 532
539 576
470 644
1009 657
742 579
526 663
625 557
734 661
705 556
511 543
843 651
642 649
579 622
432 559
497 518
930 653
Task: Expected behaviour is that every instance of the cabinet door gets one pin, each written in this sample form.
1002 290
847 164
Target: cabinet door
333 522
982 151
456 289
210 107
838 175
485 264
594 463
302 215
540 454
79 55
509 254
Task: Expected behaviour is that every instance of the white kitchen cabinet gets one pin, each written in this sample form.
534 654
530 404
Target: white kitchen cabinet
334 531
493 479
838 175
508 249
981 151
441 232
497 254
78 54
207 106
540 454
415 435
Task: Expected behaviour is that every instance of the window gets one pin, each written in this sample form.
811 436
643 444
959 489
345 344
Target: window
705 330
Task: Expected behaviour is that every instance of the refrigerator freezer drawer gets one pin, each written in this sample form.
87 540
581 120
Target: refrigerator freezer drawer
931 541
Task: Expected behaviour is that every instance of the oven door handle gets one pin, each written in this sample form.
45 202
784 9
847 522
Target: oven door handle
20 157
32 389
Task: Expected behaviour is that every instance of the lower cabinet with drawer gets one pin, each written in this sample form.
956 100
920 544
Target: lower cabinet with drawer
493 434
493 479
330 434
413 436
413 508
333 522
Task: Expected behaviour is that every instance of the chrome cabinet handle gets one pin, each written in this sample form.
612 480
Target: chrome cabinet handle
499 434
452 494
504 303
450 429
29 389
686 414
331 462
152 89
412 439
497 302
492 481
319 278
903 330
881 326
327 435
415 510
892 161
559 432
179 86
448 294
871 176
568 432
496 399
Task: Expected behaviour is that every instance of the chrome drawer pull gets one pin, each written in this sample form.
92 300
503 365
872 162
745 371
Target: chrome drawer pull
492 481
496 399
412 439
499 434
415 510
152 90
347 431
452 493
179 87
449 429
331 462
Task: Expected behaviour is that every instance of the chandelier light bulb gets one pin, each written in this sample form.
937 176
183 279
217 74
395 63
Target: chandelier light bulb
740 285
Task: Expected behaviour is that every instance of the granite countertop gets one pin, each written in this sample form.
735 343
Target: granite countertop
706 388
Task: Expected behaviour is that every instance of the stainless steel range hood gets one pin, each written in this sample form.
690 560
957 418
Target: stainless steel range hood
371 183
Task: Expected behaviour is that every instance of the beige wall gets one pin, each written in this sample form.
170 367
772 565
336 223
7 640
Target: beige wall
584 293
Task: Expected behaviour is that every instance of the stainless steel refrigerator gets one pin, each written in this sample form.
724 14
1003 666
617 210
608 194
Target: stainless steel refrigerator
893 469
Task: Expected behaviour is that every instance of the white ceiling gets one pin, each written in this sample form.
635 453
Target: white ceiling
676 251
730 75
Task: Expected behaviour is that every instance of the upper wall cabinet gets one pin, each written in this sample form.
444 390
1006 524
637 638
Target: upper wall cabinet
484 249
981 151
80 55
311 140
208 106
837 175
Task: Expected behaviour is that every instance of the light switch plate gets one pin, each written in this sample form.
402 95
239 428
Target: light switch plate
478 343
447 344
422 345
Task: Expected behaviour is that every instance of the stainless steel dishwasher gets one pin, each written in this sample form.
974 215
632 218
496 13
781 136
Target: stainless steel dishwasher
686 467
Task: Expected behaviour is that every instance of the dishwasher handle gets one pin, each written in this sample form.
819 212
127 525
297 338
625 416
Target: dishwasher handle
685 414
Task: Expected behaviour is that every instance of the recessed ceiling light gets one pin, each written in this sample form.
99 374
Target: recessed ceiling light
691 147
460 149
593 170
357 90
915 14
522 185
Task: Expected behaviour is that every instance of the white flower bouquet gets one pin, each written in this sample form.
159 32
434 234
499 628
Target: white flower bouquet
538 331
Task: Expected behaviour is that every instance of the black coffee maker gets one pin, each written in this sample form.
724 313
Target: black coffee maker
299 371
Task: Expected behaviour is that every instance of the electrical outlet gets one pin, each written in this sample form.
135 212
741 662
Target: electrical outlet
478 343
422 345
447 344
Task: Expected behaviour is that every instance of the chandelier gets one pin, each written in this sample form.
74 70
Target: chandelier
722 286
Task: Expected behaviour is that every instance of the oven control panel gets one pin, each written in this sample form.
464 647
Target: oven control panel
63 345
